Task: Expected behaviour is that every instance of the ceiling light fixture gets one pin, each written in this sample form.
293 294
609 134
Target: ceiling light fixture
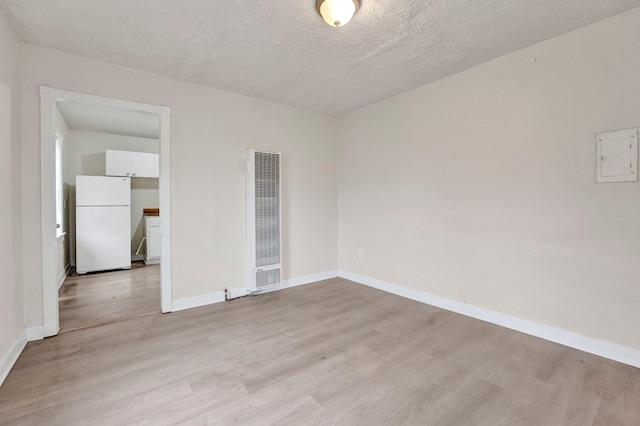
337 13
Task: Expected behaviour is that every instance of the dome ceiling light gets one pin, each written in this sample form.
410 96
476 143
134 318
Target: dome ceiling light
337 13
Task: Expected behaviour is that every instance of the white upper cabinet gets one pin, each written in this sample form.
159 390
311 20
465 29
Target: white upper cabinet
118 163
142 164
133 164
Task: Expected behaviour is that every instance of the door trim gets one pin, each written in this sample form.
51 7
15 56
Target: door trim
48 98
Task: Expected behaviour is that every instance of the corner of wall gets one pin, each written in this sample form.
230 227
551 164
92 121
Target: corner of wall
12 356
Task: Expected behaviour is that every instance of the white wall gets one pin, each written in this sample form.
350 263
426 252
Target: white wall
480 188
85 154
211 130
11 292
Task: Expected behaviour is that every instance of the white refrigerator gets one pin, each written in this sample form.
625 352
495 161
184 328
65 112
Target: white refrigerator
103 223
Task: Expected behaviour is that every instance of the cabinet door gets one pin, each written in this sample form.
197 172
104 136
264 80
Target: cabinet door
153 242
118 163
141 164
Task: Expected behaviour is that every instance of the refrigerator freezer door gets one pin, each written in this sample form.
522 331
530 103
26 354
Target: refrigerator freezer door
103 191
103 238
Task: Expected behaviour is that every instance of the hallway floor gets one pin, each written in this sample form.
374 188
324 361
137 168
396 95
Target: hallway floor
105 297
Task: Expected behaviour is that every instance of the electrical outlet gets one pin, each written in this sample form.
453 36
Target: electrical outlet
360 254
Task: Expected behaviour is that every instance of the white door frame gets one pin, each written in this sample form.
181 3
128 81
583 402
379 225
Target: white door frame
48 98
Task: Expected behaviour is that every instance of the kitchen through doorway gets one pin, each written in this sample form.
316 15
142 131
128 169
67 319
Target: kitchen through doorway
111 240
110 197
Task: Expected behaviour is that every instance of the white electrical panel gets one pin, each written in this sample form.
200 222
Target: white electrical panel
617 156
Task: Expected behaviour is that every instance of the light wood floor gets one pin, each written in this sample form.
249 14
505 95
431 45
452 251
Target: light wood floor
333 352
100 298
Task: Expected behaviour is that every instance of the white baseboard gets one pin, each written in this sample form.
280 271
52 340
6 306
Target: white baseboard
50 328
573 340
8 363
209 299
237 292
35 333
195 302
63 275
166 305
308 279
291 282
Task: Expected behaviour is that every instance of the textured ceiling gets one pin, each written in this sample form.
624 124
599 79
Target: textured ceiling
282 51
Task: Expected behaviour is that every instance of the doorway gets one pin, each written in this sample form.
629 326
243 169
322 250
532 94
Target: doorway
105 122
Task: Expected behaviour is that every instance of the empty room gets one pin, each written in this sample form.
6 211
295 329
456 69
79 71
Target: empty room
319 212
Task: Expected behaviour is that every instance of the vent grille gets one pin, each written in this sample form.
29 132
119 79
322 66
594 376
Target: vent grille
267 205
266 278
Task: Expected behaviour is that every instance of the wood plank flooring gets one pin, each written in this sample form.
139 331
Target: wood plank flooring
100 298
333 352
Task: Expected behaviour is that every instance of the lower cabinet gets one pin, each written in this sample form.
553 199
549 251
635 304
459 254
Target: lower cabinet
153 243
